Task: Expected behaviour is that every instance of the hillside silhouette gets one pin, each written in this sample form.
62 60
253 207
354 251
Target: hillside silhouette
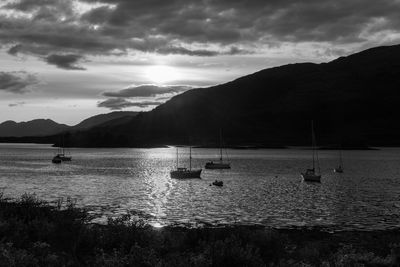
39 127
46 127
353 101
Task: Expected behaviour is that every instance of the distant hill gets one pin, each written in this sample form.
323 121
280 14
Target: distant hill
353 100
103 118
41 127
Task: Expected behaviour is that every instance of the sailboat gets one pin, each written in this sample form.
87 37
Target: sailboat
339 169
220 164
311 175
184 173
61 153
56 159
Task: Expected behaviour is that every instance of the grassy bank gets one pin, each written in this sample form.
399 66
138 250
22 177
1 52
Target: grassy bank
35 233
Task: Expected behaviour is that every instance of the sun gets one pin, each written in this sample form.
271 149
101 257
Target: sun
162 74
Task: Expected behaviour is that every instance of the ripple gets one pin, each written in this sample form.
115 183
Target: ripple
263 186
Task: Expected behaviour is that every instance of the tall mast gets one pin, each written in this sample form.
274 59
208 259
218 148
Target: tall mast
60 146
315 150
177 158
190 158
313 144
220 144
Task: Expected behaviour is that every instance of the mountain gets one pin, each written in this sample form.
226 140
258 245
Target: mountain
353 100
48 127
40 127
103 118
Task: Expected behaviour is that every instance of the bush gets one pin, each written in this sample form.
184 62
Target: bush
36 233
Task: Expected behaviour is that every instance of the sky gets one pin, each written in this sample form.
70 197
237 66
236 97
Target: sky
67 60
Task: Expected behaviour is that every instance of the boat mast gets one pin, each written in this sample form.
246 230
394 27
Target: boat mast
315 150
190 158
220 144
313 144
62 145
177 158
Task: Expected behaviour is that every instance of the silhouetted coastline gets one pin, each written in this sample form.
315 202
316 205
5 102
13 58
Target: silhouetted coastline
272 106
35 232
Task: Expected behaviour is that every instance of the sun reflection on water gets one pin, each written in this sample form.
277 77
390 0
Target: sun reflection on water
263 186
157 225
157 180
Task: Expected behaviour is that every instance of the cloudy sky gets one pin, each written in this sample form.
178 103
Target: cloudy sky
69 59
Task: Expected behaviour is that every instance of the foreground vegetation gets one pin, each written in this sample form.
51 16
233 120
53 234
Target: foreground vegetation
35 233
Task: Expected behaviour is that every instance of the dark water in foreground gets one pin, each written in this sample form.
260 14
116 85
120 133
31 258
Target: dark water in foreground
263 186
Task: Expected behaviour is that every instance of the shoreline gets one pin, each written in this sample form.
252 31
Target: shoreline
234 147
33 231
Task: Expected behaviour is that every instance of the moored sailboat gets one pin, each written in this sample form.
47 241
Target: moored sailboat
61 153
220 164
184 173
63 156
339 169
310 175
56 159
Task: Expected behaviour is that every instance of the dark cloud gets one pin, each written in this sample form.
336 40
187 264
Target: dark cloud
233 21
14 50
123 98
43 9
16 104
184 51
18 82
189 27
68 62
237 51
98 15
122 103
147 91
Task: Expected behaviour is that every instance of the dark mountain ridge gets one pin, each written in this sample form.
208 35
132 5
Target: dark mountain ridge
47 127
103 118
353 101
39 127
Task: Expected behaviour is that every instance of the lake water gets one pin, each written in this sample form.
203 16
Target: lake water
263 187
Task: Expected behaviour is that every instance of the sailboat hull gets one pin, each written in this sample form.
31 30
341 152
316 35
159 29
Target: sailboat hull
338 170
185 174
217 166
311 177
56 160
63 157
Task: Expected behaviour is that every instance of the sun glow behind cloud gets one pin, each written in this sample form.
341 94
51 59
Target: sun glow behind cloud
162 74
79 49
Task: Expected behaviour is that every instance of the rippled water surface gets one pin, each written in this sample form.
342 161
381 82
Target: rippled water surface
263 186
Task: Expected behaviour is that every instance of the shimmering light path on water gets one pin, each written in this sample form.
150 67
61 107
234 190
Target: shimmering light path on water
263 186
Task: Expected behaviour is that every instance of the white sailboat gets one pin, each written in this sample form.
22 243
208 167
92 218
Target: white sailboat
219 164
311 175
184 173
339 169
